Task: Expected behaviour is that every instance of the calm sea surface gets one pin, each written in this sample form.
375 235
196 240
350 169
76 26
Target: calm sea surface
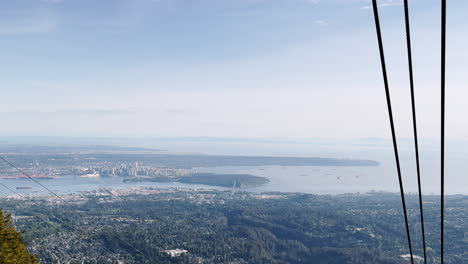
307 179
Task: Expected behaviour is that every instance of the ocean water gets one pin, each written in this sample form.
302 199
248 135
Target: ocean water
69 185
307 179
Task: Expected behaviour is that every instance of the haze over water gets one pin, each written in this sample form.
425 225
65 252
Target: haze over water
324 179
307 179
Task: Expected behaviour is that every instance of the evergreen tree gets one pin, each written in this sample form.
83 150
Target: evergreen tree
12 248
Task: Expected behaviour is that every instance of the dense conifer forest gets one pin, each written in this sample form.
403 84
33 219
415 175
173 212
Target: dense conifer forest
222 227
12 247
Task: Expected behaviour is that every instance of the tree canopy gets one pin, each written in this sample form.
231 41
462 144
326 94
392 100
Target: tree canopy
12 247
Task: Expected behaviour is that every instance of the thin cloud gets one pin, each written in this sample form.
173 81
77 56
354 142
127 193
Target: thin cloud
52 1
175 111
322 23
30 26
96 111
385 3
85 111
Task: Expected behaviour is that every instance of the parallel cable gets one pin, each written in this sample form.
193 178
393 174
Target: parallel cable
415 130
31 178
11 190
58 219
65 201
442 126
392 126
54 217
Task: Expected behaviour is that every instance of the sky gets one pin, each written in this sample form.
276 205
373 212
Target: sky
224 68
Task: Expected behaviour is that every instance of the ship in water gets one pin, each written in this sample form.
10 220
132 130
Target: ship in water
39 177
90 175
23 188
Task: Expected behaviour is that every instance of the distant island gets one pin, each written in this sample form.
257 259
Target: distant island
194 161
223 180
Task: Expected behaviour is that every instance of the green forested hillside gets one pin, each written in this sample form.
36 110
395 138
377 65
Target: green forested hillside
221 227
12 248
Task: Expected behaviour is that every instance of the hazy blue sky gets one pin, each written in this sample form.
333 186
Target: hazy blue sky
281 68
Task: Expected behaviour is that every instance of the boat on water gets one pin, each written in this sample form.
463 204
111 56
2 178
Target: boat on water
90 175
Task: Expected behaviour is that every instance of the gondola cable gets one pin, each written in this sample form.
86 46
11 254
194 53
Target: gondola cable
65 201
52 216
31 178
442 126
415 130
392 126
